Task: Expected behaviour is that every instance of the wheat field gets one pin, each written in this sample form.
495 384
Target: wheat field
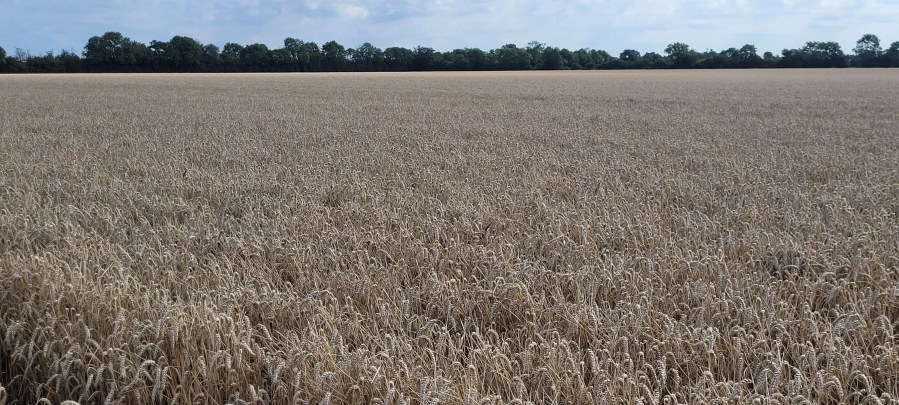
458 238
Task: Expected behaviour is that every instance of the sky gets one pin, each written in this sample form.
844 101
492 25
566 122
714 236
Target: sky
611 25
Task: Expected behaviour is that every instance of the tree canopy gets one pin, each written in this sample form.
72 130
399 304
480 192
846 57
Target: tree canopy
868 52
114 52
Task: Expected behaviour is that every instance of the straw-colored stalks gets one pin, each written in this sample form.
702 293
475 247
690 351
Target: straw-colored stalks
477 238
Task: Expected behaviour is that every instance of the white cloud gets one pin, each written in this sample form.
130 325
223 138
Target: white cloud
352 12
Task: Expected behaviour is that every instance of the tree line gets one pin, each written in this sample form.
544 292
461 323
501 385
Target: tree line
113 52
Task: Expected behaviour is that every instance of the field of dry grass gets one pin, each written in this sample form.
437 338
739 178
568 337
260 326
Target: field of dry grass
478 238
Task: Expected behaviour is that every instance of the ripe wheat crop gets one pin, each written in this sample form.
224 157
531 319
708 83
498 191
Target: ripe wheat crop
473 238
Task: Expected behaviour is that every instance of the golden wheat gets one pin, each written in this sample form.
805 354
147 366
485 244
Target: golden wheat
479 238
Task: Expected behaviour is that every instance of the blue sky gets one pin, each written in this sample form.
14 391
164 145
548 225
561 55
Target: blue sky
611 25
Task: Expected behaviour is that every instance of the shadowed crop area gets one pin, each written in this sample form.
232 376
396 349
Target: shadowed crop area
456 238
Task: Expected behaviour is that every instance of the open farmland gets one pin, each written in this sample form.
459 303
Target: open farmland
472 238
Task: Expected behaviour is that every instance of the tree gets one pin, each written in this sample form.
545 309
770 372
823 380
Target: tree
181 54
159 55
511 57
186 54
569 59
791 58
747 57
867 51
709 59
457 60
398 59
629 56
552 59
46 63
313 56
653 60
334 55
368 57
70 61
211 59
424 58
114 52
536 49
104 50
600 57
255 58
814 55
305 56
293 48
824 54
280 60
478 59
743 57
231 56
891 56
627 59
583 58
680 55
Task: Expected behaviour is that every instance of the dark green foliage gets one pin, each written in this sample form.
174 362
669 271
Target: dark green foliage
681 56
535 50
211 59
255 58
428 59
630 56
552 59
180 54
814 55
891 56
478 59
398 59
747 56
424 59
457 60
653 60
511 57
334 56
868 52
367 57
230 57
113 52
301 56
